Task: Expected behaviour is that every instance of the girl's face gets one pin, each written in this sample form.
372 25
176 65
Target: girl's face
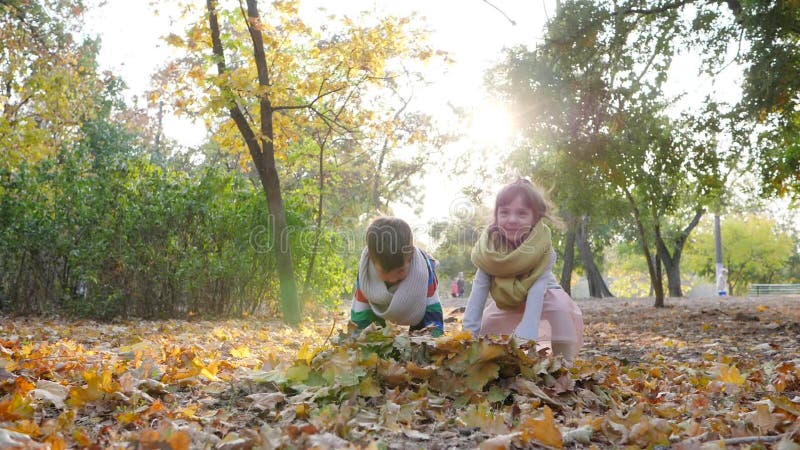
515 220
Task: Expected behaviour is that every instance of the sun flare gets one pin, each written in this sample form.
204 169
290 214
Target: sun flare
490 124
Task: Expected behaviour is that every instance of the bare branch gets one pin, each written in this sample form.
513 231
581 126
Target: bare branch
501 12
311 103
660 9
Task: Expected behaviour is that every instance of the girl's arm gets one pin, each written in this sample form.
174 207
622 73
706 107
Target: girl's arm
528 328
473 314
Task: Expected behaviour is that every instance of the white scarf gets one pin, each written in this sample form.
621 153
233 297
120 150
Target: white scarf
407 305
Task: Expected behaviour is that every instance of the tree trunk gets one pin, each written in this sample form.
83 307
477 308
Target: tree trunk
262 151
569 258
597 286
655 277
672 263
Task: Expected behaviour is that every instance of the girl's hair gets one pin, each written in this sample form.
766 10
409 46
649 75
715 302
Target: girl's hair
532 196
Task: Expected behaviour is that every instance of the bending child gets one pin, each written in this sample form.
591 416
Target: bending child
515 257
396 280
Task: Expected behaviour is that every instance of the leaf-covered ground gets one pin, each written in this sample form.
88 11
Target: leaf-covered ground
702 373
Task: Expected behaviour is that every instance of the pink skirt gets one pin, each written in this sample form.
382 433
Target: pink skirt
561 322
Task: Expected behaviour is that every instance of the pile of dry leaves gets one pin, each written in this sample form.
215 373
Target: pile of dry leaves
701 374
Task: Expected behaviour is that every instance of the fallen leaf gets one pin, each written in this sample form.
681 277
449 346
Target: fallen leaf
500 442
52 392
267 401
542 430
581 435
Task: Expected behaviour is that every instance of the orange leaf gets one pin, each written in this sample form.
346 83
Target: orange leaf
422 373
22 386
542 430
55 442
179 441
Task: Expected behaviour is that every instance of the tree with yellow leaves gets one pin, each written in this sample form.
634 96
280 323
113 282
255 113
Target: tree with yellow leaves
48 81
266 83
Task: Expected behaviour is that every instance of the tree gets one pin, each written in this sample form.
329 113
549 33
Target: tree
262 149
763 37
48 80
593 92
286 85
754 251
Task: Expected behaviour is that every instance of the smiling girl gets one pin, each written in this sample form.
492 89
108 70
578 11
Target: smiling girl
515 258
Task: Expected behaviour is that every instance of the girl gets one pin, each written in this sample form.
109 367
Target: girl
515 258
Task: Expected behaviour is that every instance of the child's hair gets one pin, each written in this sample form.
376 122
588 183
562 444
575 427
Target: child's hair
389 242
532 196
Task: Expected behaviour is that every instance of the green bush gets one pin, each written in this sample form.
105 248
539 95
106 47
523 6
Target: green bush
102 233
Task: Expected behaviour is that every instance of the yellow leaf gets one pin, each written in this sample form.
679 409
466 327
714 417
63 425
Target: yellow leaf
369 388
480 374
240 352
542 430
128 417
730 374
481 415
762 308
305 353
454 341
206 373
298 373
189 412
301 410
489 351
174 40
81 438
222 334
16 407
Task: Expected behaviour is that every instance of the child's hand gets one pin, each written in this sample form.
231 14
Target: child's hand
523 343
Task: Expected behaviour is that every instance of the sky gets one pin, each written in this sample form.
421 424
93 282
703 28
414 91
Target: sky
473 31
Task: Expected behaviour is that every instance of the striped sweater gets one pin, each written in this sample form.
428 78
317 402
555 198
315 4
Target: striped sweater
362 314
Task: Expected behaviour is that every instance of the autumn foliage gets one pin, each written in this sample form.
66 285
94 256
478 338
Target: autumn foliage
254 384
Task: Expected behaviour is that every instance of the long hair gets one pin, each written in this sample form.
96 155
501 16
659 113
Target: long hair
533 197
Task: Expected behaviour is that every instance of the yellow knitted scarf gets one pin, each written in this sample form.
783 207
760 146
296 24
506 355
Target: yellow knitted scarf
514 271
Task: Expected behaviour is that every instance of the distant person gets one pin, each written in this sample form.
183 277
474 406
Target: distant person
515 257
722 282
460 284
396 281
454 288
